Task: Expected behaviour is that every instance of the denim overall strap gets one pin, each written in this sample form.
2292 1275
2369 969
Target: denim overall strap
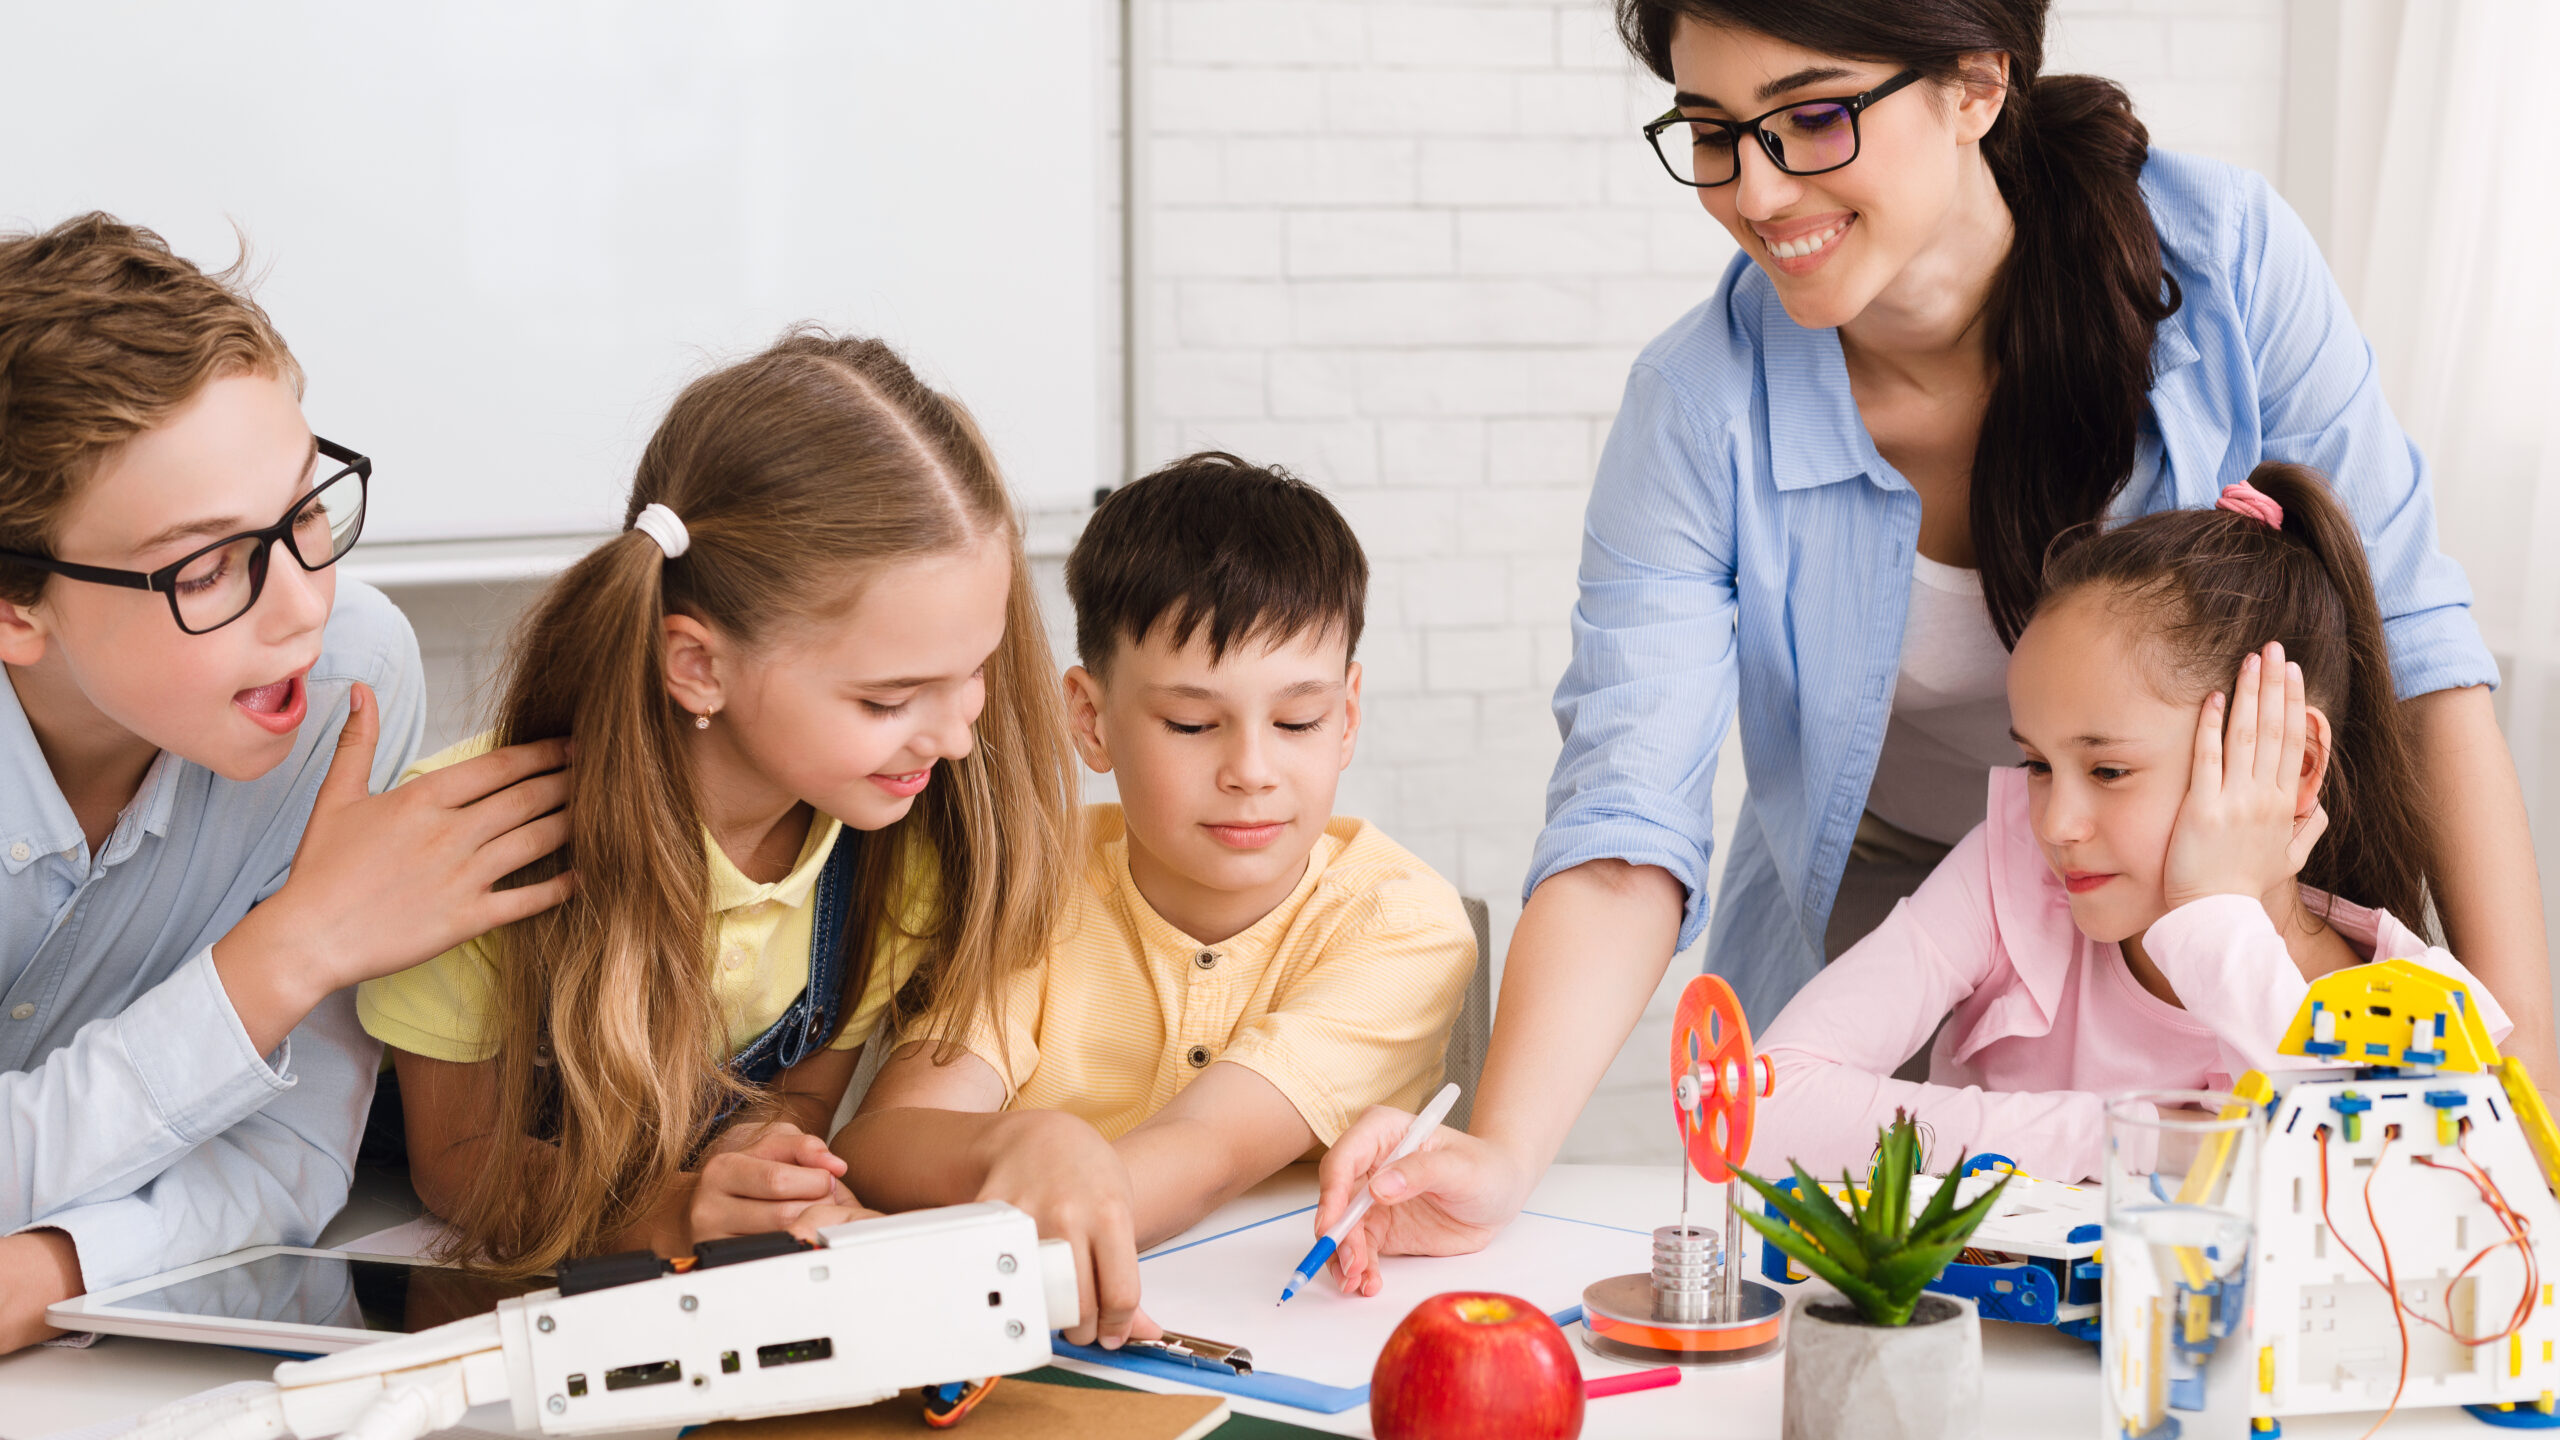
811 1020
804 1027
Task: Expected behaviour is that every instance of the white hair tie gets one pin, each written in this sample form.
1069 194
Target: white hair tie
662 525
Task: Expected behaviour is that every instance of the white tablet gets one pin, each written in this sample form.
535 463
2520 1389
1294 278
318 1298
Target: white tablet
290 1300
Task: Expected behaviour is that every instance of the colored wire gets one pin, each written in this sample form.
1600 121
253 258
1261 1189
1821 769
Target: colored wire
2519 1231
971 1396
2518 1234
2400 1310
2390 1290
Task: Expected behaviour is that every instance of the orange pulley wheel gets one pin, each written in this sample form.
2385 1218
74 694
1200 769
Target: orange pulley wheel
1694 1307
1716 1080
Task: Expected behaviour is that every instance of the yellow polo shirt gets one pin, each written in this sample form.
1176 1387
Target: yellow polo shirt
1341 996
443 1009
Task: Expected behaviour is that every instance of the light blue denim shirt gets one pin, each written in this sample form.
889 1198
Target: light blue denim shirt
1747 554
139 1119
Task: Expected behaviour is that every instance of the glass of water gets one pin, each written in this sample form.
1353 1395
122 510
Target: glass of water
2182 1197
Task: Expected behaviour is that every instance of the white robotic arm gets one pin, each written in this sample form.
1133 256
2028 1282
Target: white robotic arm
761 1325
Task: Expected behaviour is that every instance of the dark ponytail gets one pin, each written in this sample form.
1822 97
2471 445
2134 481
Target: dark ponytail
2210 586
2072 315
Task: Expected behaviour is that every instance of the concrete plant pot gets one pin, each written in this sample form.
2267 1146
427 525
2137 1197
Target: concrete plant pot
1849 1380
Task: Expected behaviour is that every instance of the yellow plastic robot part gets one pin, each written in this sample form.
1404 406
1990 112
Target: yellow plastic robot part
2198 1315
2212 1158
2392 1012
2266 1369
2535 1119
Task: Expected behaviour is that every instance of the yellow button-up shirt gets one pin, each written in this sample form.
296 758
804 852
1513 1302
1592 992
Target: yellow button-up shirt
1341 997
761 933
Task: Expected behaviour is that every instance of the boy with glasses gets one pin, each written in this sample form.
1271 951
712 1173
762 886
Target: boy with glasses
191 864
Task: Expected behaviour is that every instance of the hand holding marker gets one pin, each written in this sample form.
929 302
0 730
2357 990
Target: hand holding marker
1423 1124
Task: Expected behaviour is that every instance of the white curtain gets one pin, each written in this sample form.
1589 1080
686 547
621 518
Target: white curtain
2421 147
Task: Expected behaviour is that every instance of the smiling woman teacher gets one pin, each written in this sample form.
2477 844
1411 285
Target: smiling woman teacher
1972 309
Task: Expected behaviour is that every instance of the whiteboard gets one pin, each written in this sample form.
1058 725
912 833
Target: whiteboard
501 236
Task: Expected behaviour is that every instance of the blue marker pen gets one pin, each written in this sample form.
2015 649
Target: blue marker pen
1423 1124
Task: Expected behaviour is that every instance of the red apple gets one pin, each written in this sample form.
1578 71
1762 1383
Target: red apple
1476 1366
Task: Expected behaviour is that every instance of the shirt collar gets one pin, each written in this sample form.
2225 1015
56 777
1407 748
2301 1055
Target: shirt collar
1162 935
33 811
147 813
732 890
1815 434
2376 934
2173 348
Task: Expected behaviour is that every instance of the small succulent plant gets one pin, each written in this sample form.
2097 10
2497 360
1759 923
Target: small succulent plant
1876 1253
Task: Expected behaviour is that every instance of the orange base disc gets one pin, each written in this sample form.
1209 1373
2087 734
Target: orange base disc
1620 1322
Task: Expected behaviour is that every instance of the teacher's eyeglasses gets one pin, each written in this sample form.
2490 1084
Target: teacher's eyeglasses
218 584
1809 137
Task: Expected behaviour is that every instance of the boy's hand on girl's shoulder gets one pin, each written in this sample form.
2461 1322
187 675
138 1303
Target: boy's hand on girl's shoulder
1058 1169
383 882
2239 831
768 1177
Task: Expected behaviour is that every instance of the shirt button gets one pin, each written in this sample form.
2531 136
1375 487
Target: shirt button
1198 1056
25 1011
19 852
1206 959
733 958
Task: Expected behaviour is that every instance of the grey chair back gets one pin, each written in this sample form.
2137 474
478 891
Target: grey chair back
1472 1031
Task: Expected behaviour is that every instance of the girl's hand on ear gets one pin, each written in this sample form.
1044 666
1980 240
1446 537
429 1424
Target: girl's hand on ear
768 1182
2237 831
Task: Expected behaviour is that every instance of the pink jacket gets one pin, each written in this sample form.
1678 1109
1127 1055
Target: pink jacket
2041 1021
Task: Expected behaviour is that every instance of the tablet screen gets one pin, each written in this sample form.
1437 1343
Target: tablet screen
334 1290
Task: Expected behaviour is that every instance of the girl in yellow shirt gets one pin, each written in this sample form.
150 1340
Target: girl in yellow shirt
819 774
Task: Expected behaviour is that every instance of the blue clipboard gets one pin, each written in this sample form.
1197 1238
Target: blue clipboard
1264 1385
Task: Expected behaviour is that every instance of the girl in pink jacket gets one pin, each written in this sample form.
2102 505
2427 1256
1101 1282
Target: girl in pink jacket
2164 873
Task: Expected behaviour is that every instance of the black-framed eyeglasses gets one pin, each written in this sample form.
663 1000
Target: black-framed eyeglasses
1809 137
218 584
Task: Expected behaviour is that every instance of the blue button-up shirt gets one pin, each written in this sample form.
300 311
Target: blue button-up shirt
1747 555
138 1117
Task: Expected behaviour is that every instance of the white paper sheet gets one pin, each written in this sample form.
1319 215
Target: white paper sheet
1327 1336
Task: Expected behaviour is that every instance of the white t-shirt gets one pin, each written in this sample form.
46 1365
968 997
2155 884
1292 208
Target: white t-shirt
1950 720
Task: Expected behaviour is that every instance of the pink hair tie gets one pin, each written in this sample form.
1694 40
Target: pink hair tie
2247 499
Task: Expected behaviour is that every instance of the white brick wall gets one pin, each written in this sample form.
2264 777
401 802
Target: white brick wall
1408 251
1468 256
2206 75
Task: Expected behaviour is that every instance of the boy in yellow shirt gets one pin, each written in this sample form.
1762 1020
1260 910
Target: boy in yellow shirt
1240 972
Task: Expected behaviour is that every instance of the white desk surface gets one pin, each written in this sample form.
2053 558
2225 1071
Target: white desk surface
2036 1383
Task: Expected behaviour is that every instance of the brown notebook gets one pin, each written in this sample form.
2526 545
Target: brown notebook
1018 1410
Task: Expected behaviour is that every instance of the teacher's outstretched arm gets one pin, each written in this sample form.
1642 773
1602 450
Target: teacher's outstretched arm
1590 948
